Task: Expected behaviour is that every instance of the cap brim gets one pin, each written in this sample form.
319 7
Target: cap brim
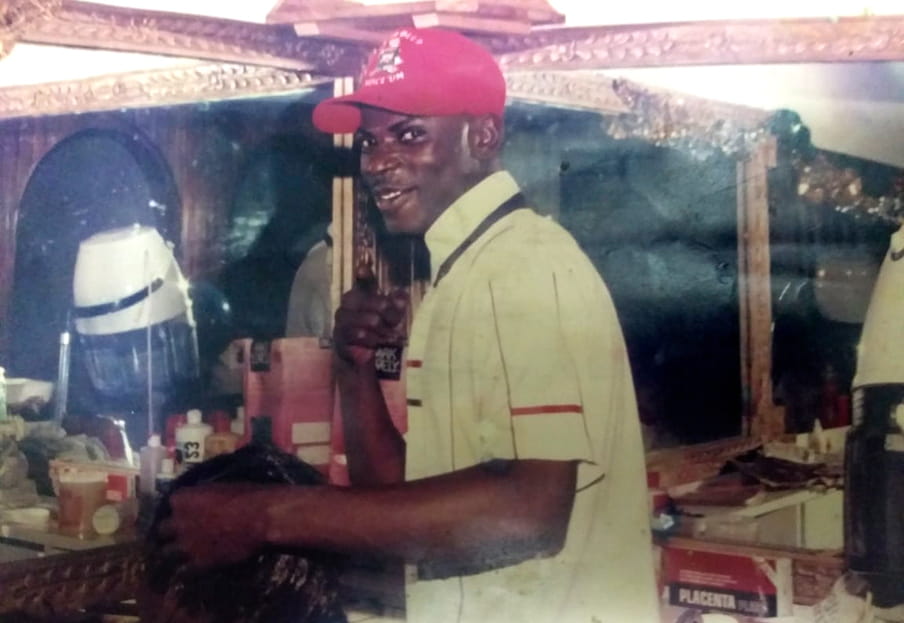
339 115
342 114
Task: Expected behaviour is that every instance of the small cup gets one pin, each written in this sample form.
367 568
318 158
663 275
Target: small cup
80 495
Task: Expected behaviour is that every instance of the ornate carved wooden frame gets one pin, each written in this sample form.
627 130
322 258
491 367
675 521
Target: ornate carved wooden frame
239 59
293 60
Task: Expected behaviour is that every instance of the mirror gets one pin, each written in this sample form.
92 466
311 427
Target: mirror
240 188
669 250
834 199
660 225
636 155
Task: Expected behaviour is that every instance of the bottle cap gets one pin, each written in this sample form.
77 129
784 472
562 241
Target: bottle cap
154 441
106 519
194 416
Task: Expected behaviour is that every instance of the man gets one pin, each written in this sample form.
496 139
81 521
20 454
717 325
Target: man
308 314
518 492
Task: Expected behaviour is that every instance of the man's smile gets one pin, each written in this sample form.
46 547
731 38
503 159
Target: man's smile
390 199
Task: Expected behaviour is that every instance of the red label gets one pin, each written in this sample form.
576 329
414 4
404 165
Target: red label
717 581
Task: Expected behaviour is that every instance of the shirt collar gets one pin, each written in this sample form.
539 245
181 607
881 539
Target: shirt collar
465 214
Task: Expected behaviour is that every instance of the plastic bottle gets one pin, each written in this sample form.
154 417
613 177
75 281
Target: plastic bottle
150 457
238 424
2 394
222 440
173 422
190 438
165 476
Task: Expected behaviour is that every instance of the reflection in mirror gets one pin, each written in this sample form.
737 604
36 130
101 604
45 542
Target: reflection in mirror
240 188
651 195
828 241
660 225
835 198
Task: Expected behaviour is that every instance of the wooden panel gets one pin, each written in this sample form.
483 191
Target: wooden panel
193 36
24 143
764 420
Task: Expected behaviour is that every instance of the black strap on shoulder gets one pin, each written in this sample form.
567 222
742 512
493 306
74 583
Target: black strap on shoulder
516 202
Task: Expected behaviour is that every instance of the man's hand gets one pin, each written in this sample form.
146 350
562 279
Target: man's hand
366 318
215 524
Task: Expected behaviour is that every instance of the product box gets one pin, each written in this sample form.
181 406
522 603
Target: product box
697 578
290 396
395 397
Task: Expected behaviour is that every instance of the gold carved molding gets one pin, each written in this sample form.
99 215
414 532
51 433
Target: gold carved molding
572 90
695 125
113 28
17 15
157 87
823 182
755 41
664 118
68 23
531 11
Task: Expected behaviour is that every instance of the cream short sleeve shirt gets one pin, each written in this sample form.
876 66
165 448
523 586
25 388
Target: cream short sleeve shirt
517 353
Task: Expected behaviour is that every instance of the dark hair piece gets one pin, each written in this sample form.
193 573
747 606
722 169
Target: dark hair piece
291 586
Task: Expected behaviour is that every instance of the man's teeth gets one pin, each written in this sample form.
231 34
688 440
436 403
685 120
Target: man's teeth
390 195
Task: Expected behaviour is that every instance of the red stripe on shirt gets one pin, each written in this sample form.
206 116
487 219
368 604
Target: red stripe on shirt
414 363
547 409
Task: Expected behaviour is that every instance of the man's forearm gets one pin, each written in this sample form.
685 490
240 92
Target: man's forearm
374 448
480 517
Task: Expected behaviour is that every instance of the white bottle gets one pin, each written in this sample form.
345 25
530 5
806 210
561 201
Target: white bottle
237 425
2 394
150 458
190 438
165 476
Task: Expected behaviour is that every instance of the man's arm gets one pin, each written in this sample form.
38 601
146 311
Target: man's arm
473 519
374 448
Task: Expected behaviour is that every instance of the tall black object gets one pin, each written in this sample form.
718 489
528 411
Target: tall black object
874 455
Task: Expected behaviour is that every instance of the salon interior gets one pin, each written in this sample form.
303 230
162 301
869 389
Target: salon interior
175 236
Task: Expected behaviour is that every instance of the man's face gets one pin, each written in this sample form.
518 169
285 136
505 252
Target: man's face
415 167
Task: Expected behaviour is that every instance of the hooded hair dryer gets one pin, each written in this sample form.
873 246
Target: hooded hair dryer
134 321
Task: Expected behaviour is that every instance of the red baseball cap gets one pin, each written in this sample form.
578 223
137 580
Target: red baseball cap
424 72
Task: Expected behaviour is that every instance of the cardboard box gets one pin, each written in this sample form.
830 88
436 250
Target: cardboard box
288 394
288 388
395 397
700 578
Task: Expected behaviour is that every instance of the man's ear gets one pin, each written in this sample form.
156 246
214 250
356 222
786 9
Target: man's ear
485 136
